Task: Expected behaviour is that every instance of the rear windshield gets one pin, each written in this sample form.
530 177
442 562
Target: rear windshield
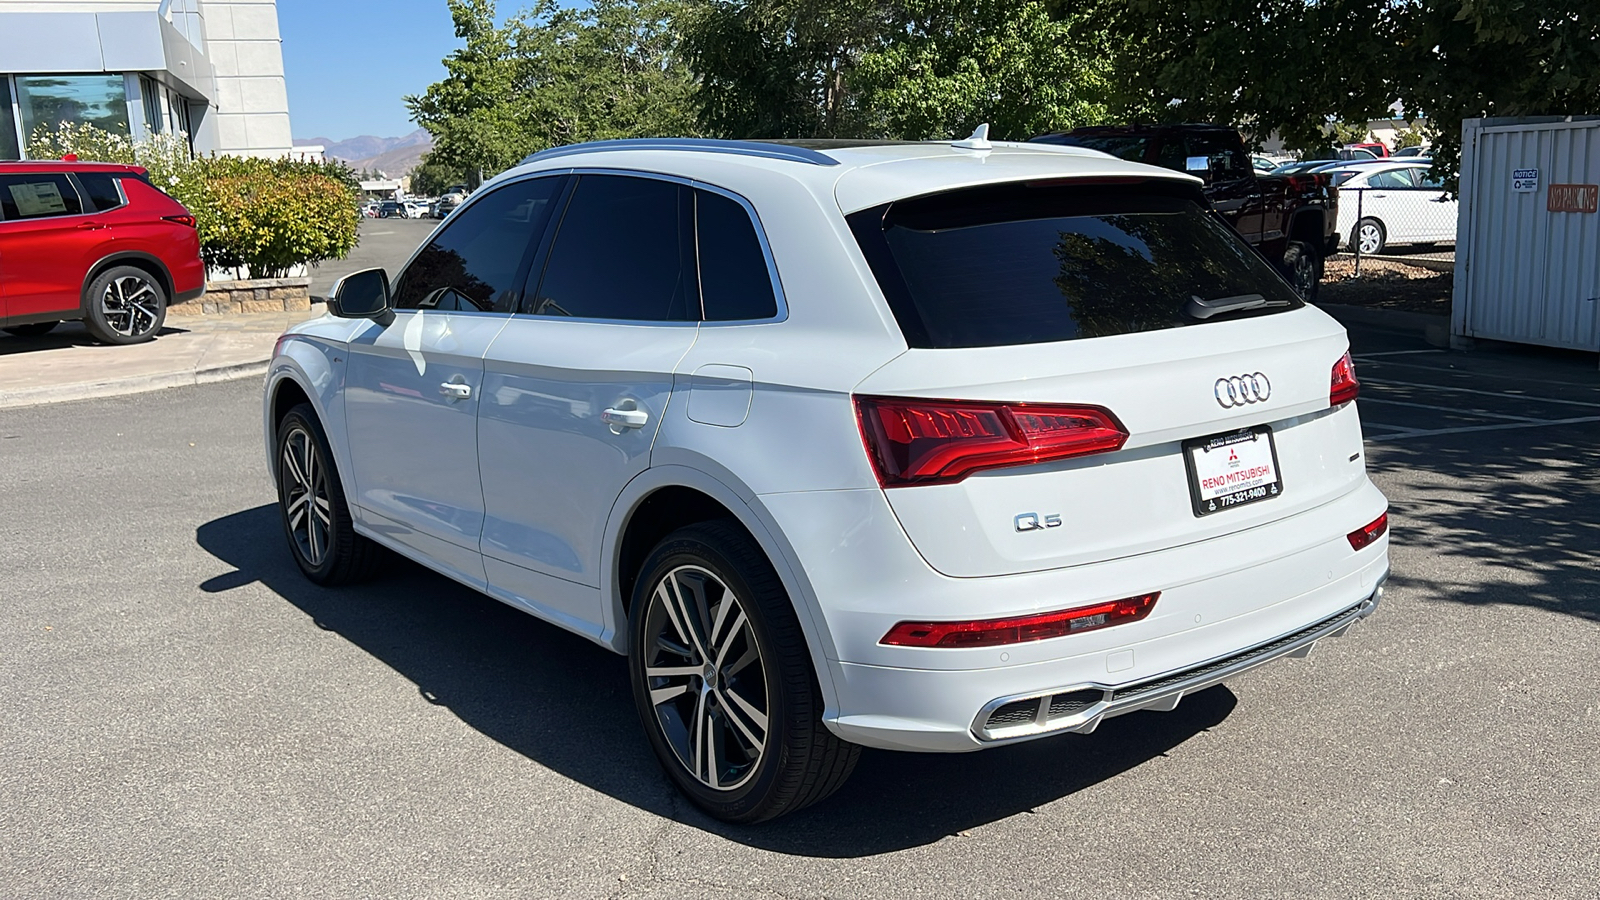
1029 264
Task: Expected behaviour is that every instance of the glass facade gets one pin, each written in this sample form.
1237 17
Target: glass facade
8 123
49 100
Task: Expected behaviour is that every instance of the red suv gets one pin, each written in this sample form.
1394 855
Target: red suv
92 241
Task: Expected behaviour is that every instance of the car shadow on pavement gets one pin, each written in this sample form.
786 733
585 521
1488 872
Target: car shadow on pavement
67 334
554 698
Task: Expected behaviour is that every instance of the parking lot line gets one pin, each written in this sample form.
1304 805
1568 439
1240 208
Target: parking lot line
1469 373
1464 429
1504 395
1451 409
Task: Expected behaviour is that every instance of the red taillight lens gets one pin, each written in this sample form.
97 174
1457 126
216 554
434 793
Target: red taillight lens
943 441
989 632
1361 537
181 220
1345 386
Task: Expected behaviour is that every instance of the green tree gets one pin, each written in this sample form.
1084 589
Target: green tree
954 64
432 176
1291 66
781 68
552 76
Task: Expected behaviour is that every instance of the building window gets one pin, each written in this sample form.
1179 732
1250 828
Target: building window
150 93
9 148
49 100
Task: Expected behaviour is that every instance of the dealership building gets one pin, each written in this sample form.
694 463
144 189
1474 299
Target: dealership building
210 69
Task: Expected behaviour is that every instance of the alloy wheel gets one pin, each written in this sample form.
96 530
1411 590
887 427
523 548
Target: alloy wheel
130 305
705 677
306 505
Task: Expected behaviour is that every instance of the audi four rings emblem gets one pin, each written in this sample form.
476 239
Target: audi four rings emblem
1242 389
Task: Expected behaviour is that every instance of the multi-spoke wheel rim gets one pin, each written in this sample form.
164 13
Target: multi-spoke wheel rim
130 305
1369 239
703 671
306 507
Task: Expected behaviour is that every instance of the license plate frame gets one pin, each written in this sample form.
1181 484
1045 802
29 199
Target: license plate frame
1211 501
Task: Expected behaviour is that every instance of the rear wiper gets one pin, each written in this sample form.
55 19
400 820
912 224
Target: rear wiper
1205 309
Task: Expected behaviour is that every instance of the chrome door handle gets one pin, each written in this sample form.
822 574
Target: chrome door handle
455 391
624 418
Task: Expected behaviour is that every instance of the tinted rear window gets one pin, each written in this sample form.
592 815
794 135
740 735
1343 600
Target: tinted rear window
101 188
1019 264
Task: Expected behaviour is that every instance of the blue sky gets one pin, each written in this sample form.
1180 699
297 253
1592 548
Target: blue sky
348 62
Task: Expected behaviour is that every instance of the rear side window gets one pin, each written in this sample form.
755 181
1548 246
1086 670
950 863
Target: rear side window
100 190
735 283
623 250
1021 264
38 196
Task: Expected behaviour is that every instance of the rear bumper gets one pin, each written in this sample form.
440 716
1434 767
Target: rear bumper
1227 605
1076 709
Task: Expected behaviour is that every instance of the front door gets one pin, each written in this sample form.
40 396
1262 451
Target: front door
46 243
576 386
413 388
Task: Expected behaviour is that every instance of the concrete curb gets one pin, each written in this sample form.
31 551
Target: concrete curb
138 384
1434 329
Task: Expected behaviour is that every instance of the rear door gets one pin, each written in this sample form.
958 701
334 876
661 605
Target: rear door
1043 316
576 385
47 242
413 388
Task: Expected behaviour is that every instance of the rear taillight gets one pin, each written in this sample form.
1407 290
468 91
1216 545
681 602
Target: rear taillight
1345 386
942 441
181 220
1017 630
1361 537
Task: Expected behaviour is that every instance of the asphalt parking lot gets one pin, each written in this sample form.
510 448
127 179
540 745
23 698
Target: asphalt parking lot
186 716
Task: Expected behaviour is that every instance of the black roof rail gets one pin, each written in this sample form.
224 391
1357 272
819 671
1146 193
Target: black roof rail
760 149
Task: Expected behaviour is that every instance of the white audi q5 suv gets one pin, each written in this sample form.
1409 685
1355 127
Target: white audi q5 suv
925 446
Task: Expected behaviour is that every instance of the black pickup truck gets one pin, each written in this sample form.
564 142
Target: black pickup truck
1291 219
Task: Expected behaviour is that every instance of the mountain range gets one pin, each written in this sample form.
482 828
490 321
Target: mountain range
393 156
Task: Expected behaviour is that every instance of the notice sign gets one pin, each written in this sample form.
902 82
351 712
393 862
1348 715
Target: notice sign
1578 198
39 198
1524 181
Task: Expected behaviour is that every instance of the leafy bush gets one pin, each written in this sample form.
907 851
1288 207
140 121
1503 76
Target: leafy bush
269 215
272 214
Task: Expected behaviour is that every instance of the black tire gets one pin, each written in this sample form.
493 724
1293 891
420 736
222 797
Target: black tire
325 546
798 761
1302 265
125 305
1379 236
32 329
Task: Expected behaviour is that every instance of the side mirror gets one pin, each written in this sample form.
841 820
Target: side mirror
363 295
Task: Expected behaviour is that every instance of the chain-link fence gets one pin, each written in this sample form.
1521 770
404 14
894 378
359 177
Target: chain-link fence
1397 246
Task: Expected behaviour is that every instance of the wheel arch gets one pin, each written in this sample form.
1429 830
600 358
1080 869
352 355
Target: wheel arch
136 258
665 498
1309 227
302 373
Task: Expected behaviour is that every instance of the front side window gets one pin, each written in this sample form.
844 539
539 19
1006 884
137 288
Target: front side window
1026 264
37 196
735 283
1395 179
472 263
623 250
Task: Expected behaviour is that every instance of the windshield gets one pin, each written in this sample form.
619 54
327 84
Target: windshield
1026 264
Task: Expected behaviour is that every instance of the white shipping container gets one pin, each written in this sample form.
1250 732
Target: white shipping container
1527 264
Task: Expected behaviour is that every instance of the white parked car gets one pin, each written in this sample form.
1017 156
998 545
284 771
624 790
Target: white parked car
923 446
1386 204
